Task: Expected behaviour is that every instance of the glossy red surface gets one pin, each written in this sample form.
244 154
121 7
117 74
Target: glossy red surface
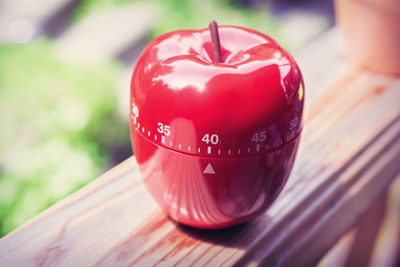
215 142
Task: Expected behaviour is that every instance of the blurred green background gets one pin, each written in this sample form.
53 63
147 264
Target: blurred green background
63 121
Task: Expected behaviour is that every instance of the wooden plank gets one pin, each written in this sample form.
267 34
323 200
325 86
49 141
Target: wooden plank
386 245
348 156
92 206
366 234
338 255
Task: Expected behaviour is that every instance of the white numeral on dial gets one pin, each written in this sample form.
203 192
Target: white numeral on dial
213 139
164 129
259 136
293 123
135 110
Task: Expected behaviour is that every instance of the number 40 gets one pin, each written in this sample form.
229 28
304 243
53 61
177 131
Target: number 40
213 139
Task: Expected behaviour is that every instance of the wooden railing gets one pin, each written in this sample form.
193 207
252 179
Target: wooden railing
348 158
339 195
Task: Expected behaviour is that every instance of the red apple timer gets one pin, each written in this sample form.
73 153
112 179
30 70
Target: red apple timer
215 127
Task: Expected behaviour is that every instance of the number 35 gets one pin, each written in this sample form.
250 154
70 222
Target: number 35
164 129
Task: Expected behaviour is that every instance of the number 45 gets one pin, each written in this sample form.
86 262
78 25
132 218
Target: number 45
259 136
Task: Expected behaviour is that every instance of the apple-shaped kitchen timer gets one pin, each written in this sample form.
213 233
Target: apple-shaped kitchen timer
215 120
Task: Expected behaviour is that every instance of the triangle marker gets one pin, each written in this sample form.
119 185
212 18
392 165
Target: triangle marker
209 169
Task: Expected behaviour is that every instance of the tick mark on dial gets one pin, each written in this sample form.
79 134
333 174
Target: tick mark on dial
198 150
142 129
180 146
219 151
229 151
155 137
239 151
170 143
134 120
209 150
258 147
138 125
189 148
148 133
248 150
163 139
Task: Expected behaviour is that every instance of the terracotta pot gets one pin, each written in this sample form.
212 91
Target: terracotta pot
371 30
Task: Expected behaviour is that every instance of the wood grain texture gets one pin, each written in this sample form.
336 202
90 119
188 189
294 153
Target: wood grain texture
354 247
367 230
349 154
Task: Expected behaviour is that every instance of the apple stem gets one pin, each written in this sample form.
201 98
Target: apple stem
215 41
